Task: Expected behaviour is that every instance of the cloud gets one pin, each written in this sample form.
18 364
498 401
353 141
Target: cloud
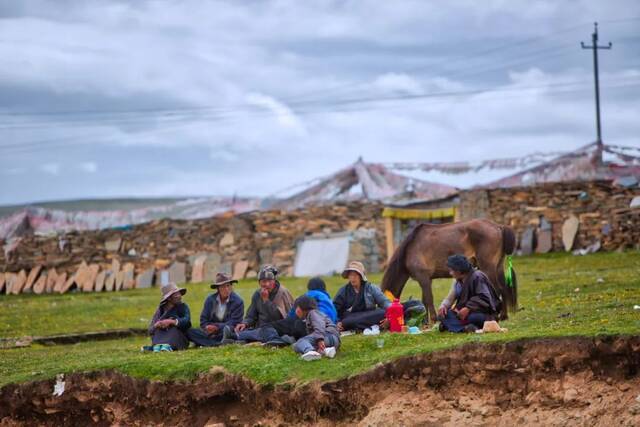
51 168
88 167
285 117
226 90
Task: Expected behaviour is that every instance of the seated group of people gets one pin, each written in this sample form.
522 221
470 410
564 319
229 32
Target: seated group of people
313 322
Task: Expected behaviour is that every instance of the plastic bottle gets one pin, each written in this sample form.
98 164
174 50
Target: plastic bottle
395 315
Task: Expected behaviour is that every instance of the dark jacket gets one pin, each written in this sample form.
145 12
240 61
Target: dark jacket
232 316
346 298
477 294
275 308
180 312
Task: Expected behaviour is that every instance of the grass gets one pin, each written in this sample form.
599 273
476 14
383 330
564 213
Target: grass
560 295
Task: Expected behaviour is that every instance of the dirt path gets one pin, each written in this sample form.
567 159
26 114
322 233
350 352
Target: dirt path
564 382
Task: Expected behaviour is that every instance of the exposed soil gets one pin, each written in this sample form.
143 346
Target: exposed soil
564 382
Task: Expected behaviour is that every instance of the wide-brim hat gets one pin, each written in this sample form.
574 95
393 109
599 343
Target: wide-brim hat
356 266
170 289
222 279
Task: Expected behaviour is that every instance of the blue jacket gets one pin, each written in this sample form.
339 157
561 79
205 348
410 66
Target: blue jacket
232 316
325 305
373 297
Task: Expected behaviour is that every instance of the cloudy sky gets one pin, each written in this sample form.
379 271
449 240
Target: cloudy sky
164 98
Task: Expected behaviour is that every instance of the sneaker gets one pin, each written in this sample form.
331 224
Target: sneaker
228 333
441 327
311 355
330 352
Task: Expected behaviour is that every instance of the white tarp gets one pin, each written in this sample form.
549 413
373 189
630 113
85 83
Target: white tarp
322 256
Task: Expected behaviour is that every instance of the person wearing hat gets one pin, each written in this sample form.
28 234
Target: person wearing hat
171 321
471 301
359 304
270 303
222 308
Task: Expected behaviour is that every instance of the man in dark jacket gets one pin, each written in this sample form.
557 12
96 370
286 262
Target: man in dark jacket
473 295
223 308
269 304
359 304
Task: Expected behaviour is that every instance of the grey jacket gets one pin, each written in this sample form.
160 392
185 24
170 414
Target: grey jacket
275 308
373 298
319 325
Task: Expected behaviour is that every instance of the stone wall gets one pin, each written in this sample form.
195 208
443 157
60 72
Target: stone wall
232 243
601 208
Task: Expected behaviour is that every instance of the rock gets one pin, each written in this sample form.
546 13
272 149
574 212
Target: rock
2 282
119 282
177 273
82 276
110 281
197 271
527 242
31 278
61 280
9 279
68 284
226 268
240 269
569 231
20 281
227 240
545 241
90 281
128 281
52 278
211 266
41 284
113 244
100 279
145 279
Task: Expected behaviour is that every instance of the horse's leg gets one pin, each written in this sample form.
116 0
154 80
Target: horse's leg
424 278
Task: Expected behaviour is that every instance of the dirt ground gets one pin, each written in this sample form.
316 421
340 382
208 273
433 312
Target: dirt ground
564 382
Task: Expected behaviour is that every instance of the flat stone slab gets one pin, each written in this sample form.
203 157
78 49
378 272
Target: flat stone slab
569 231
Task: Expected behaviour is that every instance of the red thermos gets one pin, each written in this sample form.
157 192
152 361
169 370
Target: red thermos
395 315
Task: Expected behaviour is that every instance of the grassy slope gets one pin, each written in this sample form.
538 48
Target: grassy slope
552 307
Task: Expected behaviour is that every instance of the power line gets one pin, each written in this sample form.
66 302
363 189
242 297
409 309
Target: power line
347 107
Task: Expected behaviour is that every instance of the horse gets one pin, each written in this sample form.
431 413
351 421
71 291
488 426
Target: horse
423 254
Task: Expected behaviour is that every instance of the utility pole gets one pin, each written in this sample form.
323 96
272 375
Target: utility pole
594 46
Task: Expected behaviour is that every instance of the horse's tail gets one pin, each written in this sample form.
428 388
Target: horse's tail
397 274
510 292
508 240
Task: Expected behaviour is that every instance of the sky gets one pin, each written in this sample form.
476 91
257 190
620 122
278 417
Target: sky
163 98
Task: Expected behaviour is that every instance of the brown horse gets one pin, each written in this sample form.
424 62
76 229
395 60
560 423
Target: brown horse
423 256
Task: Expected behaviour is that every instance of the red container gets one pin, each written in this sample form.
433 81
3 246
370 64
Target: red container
395 315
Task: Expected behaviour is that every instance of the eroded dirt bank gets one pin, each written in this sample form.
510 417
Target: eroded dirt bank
565 381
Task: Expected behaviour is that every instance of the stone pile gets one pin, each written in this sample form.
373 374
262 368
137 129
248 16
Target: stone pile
539 214
181 251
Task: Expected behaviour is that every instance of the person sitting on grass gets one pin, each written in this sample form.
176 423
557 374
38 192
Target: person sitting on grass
270 303
170 322
472 296
223 308
323 337
359 304
317 289
286 331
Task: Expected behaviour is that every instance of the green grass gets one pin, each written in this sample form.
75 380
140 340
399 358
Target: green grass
560 295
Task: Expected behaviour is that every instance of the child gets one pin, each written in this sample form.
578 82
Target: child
323 337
